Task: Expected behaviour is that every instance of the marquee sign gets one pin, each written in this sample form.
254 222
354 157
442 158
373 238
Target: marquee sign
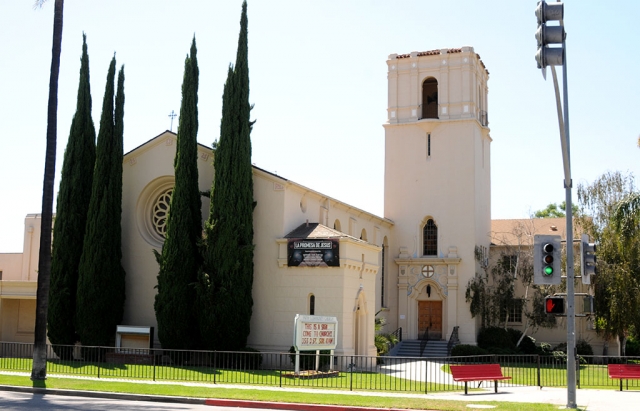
315 252
314 332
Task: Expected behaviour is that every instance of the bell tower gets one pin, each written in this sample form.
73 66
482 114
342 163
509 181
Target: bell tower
437 187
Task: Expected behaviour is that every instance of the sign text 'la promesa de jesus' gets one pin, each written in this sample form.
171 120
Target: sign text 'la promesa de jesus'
315 252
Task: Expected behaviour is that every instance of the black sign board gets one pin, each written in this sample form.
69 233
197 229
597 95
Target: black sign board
315 252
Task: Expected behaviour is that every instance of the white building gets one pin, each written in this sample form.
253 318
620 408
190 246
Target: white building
414 262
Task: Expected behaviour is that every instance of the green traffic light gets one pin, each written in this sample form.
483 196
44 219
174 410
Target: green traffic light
548 270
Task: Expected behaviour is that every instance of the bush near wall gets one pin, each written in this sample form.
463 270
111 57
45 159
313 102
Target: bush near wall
308 358
497 340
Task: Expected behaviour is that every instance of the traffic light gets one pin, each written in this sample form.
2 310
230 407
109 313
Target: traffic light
554 305
587 259
549 56
546 259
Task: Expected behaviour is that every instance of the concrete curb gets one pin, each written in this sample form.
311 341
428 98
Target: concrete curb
291 406
219 402
106 395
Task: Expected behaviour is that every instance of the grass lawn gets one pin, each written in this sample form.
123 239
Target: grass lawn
266 395
343 381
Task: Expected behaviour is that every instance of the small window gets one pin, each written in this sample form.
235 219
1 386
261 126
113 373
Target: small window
513 309
428 271
382 277
0 275
312 304
508 263
430 238
337 226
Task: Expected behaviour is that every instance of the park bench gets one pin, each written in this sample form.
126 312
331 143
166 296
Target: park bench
624 372
477 372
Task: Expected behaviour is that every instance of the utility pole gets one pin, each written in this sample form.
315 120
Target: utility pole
556 56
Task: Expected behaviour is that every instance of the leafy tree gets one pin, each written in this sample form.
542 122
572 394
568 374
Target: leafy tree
179 262
39 367
554 210
101 278
227 277
383 341
603 207
495 291
71 214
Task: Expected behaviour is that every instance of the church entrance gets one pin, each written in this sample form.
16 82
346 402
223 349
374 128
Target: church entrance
430 319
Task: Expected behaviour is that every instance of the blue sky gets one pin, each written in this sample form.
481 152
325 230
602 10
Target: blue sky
318 82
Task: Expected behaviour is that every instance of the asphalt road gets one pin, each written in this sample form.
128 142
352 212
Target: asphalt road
17 401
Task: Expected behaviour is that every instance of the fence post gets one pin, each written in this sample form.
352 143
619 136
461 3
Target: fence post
538 369
426 376
98 362
154 364
351 367
577 368
280 367
215 358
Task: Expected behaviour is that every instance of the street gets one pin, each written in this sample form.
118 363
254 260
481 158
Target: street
38 402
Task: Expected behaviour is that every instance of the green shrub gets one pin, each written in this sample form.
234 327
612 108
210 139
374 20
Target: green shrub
544 349
464 350
582 348
632 348
527 345
491 338
308 358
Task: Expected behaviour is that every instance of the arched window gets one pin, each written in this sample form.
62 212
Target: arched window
430 98
363 234
312 304
430 238
337 225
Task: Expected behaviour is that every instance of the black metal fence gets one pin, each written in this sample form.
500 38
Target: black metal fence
343 372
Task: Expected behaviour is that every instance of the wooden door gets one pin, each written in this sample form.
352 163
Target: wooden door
430 319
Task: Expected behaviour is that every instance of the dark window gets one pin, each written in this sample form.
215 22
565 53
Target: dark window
381 278
428 145
430 238
430 98
512 308
312 304
508 263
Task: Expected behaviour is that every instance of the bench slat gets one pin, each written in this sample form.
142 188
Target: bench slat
477 372
624 372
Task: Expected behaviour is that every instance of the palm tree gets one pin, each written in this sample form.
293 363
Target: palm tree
39 369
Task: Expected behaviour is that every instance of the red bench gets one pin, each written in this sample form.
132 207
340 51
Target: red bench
477 372
624 372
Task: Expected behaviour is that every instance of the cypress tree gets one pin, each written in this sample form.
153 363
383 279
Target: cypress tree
229 255
180 259
101 278
71 215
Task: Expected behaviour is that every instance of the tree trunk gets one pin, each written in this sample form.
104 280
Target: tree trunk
39 370
622 340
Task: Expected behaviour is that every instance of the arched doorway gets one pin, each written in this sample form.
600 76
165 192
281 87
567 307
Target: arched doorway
360 323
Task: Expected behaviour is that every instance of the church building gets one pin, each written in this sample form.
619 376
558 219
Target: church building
316 255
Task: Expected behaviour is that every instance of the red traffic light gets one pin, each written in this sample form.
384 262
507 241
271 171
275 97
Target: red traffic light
554 305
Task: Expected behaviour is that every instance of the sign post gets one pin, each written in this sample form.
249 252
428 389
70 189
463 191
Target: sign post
314 332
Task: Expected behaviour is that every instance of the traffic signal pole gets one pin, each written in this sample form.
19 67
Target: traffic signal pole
546 58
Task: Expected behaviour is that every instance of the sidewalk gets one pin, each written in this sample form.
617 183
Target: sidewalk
591 400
